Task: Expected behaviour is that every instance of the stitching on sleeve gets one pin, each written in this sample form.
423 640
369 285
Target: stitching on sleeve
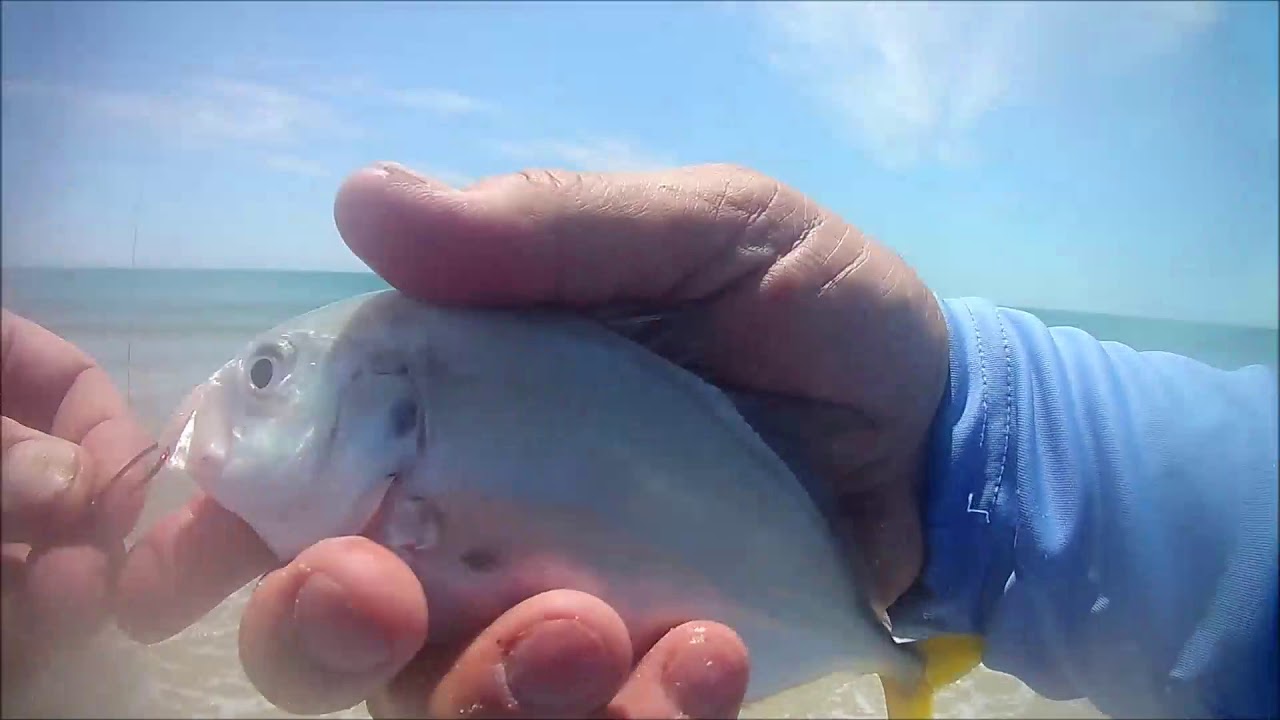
982 374
1008 407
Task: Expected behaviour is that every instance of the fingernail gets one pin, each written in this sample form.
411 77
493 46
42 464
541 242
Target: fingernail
559 666
703 682
37 471
335 635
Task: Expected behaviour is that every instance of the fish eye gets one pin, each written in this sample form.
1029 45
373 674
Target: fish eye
261 372
269 365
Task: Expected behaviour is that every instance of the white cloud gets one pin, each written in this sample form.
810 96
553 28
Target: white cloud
294 165
592 154
436 101
208 110
911 81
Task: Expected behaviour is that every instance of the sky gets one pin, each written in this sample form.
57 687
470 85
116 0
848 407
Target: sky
1117 158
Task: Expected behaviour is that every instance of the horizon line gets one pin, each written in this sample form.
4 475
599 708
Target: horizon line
1025 308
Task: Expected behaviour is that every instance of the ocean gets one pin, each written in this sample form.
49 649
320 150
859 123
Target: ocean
159 332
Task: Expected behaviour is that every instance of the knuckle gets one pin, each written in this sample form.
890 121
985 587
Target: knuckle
763 208
739 194
550 179
734 170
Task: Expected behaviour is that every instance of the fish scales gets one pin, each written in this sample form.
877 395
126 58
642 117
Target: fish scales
501 453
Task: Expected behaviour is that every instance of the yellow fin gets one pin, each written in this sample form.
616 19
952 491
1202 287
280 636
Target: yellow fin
947 658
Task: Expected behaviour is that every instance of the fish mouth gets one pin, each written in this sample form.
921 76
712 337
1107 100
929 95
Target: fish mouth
169 450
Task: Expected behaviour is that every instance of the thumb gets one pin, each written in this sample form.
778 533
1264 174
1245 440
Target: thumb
46 485
568 238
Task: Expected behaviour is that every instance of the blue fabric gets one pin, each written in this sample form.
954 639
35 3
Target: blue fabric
1105 518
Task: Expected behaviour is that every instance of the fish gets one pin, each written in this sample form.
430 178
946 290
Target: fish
501 453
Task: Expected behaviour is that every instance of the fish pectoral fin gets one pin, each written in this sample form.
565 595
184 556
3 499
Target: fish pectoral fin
946 658
903 702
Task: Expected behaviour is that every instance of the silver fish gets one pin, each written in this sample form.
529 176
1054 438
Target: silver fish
504 453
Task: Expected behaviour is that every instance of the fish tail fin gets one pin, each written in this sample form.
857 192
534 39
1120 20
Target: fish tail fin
947 658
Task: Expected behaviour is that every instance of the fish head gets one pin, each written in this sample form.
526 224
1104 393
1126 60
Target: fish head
300 435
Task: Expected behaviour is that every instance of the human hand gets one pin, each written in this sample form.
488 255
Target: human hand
829 341
346 621
738 258
67 434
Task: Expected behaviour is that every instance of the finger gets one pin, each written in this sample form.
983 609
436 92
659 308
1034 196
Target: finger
13 565
563 238
56 601
51 385
883 523
407 694
46 486
698 670
184 567
559 654
22 657
65 594
37 371
340 621
766 259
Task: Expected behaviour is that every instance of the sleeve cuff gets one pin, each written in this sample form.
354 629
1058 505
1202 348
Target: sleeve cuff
968 508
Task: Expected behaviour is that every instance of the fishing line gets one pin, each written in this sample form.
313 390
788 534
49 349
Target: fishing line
133 267
165 452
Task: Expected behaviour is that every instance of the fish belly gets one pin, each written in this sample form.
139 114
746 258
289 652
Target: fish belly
560 455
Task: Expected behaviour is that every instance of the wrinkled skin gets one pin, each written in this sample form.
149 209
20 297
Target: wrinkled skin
744 280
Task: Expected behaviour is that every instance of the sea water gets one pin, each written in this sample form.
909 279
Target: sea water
160 332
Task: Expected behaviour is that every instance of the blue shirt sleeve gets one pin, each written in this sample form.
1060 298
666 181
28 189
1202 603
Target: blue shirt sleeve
1105 518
